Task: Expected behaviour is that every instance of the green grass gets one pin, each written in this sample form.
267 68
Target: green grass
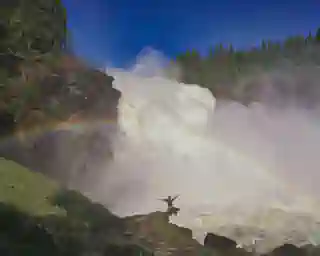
28 191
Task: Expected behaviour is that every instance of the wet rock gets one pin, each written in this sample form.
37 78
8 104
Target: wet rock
220 243
6 123
288 250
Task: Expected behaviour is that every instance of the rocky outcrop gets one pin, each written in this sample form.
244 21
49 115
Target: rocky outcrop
219 242
288 249
223 245
68 128
154 231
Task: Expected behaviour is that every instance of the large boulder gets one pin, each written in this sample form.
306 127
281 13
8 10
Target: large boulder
219 242
7 123
288 250
223 245
155 231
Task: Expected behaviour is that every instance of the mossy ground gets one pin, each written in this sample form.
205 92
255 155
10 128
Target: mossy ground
28 191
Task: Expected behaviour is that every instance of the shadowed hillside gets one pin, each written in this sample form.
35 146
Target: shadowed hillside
38 216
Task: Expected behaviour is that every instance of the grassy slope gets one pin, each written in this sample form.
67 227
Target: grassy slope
28 191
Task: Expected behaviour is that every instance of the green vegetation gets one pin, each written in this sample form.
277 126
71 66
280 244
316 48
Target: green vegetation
230 73
29 192
30 31
40 81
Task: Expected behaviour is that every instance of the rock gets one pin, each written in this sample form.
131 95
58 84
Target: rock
311 250
287 250
7 123
221 245
155 232
59 113
219 242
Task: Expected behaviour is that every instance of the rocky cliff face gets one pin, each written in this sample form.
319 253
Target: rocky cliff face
66 129
46 94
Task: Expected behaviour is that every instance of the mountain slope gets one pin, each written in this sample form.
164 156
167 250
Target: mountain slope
40 217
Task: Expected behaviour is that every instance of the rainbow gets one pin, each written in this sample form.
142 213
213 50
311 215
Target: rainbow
74 123
79 124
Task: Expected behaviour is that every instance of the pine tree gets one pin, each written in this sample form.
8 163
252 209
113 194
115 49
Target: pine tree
309 38
263 45
317 38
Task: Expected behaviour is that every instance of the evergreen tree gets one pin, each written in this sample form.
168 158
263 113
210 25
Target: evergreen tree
263 45
309 38
317 37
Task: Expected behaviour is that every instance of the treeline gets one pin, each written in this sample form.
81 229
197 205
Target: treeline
223 67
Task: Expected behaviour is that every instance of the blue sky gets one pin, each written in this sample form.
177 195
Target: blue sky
115 31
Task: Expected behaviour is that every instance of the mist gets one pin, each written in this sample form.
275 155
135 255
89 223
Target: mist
232 165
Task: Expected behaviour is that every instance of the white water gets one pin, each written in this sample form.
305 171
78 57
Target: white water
230 164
